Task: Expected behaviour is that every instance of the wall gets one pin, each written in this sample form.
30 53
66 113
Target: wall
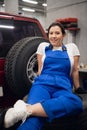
2 9
68 8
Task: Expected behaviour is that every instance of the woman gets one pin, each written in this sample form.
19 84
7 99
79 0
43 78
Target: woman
51 94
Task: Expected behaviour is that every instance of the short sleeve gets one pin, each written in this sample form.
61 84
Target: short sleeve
72 48
75 50
41 48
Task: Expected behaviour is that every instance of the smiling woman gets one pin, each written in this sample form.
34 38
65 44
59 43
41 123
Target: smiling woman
56 36
52 86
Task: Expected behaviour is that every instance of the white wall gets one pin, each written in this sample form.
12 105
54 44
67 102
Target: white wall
68 8
2 9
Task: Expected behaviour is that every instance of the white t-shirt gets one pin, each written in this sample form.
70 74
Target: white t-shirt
72 51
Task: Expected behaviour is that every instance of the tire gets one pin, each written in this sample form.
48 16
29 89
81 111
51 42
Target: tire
21 65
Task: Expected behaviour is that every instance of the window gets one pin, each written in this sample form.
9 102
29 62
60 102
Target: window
12 31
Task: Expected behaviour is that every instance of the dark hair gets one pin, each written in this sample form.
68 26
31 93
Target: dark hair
59 25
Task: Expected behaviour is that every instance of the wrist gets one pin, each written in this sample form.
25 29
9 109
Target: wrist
76 88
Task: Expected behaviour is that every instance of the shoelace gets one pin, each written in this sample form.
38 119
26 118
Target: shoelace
27 114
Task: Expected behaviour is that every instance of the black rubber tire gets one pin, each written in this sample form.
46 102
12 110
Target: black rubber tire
17 59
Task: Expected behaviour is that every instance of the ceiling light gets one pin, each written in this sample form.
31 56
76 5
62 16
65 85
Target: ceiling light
30 1
44 4
3 5
7 26
27 9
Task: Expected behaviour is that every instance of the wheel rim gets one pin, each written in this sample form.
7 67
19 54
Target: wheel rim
32 68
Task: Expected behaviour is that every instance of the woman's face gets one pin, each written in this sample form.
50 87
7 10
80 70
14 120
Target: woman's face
55 36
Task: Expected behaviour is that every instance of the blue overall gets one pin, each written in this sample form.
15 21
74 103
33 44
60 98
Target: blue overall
53 89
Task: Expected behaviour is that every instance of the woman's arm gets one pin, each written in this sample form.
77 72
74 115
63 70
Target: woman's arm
39 59
75 73
40 53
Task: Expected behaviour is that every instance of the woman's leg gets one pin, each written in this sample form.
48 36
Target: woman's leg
37 94
42 105
32 123
56 107
62 104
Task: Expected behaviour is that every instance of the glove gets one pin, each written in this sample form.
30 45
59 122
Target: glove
81 90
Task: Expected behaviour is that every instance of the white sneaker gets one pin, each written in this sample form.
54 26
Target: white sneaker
15 114
11 117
